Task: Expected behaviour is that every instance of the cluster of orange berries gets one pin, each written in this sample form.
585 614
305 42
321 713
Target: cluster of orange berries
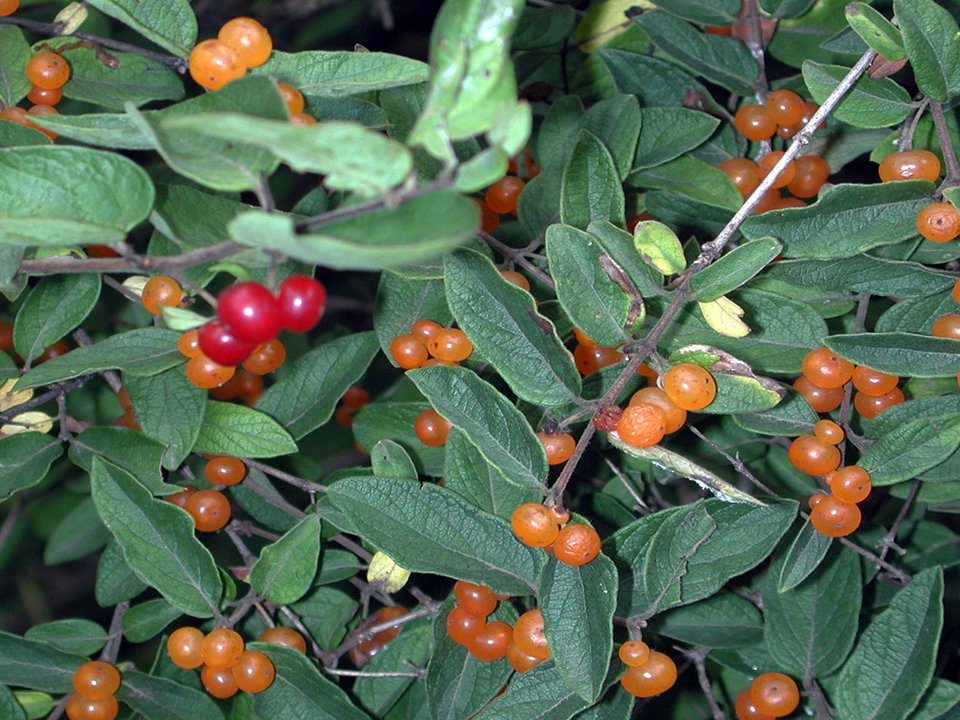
429 343
589 356
771 695
825 374
938 222
210 509
363 652
244 386
535 525
94 685
648 672
353 399
227 666
48 72
502 196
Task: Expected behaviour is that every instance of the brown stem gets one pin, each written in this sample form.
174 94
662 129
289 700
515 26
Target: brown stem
301 483
390 200
517 256
888 541
115 634
946 144
699 657
136 263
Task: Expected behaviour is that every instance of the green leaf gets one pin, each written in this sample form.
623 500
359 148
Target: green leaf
240 431
863 273
78 534
171 25
157 698
594 302
654 81
503 324
418 230
14 54
10 707
930 37
810 629
538 694
394 421
591 188
669 132
148 619
326 611
262 509
721 60
321 73
411 648
869 104
426 528
115 582
692 178
706 12
389 459
55 306
734 269
47 201
285 569
907 450
941 697
543 27
511 128
741 394
577 605
488 419
875 30
659 246
170 410
616 122
897 353
36 664
905 636
786 8
846 220
483 169
14 134
73 635
25 459
806 552
145 351
402 301
157 540
618 245
309 392
681 211
127 449
722 621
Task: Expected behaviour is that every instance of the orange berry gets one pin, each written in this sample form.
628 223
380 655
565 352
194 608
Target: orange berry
851 484
811 173
180 498
583 339
828 431
205 373
590 358
559 446
788 131
754 122
213 64
746 710
463 627
775 694
939 222
744 173
42 111
816 499
189 344
675 416
634 653
873 382
96 680
281 635
690 386
825 368
424 329
576 544
502 196
408 352
221 648
80 708
910 165
210 510
491 642
253 672
767 163
785 107
560 515
821 399
184 647
608 418
431 428
787 202
528 635
160 291
301 118
869 406
8 7
834 517
355 397
770 200
292 98
249 38
515 278
15 114
475 599
947 326
47 70
266 357
519 660
658 674
489 220
955 293
219 682
450 344
533 525
224 470
642 425
813 456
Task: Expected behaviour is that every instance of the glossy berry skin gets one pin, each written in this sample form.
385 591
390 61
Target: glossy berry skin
491 642
189 344
423 330
746 710
15 114
475 599
811 173
634 653
249 38
744 173
674 416
180 498
690 386
785 107
851 484
821 399
947 326
515 278
828 431
303 119
834 517
576 544
385 614
184 647
939 222
489 220
869 406
96 680
450 344
292 98
288 637
265 358
910 165
815 499
528 635
642 425
8 7
253 672
218 343
754 122
813 456
302 300
355 397
955 293
47 70
767 163
788 131
775 694
770 200
159 292
519 660
213 64
560 515
251 311
408 352
825 368
224 470
221 648
431 428
42 111
873 382
590 358
533 525
205 373
463 627
558 446
502 196
655 676
210 510
219 682
80 708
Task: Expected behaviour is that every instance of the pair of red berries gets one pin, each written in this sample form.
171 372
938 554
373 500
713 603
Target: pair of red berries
249 314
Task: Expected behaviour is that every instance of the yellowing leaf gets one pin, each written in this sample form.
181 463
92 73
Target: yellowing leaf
660 247
33 421
385 572
723 315
135 283
605 21
9 399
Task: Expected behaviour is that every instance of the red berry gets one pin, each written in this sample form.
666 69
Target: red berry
218 343
302 302
251 312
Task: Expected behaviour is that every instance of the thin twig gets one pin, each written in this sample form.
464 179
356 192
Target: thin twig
888 541
698 657
233 533
301 483
135 264
390 200
52 394
946 144
274 498
518 257
367 633
909 128
321 655
353 547
418 674
115 635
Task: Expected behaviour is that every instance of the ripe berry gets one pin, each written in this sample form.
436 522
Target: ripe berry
302 119
502 196
812 172
491 642
385 614
184 647
873 382
266 357
515 278
249 38
788 131
590 358
189 344
674 416
180 498
785 107
608 418
642 425
15 114
519 660
559 446
869 406
463 627
80 708
787 202
754 122
489 220
947 326
821 399
251 311
288 637
60 347
770 200
160 291
450 344
939 222
825 368
634 653
851 484
213 64
8 7
302 300
41 111
218 343
816 499
834 517
96 680
828 431
221 648
47 70
744 173
423 330
408 352
292 98
767 163
813 456
475 599
746 710
690 386
528 635
775 694
253 672
6 336
637 219
576 544
583 339
559 514
656 675
219 682
205 373
210 510
224 470
955 293
910 165
431 428
533 525
355 397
